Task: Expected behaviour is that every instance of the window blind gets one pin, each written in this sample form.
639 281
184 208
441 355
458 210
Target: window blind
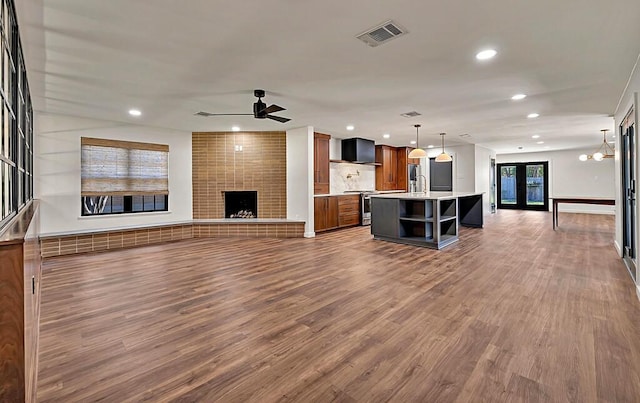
112 168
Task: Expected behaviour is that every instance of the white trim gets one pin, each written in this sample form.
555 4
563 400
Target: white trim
310 234
617 246
626 87
638 291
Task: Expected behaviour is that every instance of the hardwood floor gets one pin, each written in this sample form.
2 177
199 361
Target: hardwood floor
512 312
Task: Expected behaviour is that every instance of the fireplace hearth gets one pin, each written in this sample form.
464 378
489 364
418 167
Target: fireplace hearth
241 204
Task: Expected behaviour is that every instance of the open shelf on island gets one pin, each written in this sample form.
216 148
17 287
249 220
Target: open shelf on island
416 229
415 209
416 218
447 218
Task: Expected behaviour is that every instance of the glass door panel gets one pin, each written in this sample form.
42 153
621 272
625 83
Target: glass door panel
628 159
508 188
535 185
524 185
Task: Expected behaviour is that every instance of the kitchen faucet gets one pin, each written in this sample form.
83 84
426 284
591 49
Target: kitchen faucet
424 183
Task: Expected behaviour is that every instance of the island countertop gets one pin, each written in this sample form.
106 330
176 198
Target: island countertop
426 195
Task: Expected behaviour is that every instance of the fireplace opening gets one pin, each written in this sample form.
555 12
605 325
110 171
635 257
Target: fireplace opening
241 204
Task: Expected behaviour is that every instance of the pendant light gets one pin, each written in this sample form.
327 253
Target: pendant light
443 157
605 150
417 152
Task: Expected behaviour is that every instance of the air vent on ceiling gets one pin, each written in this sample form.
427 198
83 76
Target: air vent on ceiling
382 33
202 114
411 114
465 135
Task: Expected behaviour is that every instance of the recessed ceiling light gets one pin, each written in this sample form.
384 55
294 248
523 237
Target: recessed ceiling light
518 97
134 112
235 128
386 135
540 142
412 142
535 136
533 115
350 128
486 54
430 146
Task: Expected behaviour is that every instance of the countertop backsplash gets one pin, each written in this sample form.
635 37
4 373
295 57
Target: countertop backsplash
346 176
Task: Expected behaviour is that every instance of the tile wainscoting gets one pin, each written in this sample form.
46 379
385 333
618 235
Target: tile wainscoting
68 244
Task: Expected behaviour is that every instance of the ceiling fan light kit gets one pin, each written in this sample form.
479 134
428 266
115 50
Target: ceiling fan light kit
605 150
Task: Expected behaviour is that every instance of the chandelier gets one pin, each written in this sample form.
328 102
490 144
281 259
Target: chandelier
605 151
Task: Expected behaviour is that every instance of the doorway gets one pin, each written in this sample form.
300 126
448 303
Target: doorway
628 158
524 186
440 176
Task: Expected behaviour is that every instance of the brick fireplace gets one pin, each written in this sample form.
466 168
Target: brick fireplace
239 161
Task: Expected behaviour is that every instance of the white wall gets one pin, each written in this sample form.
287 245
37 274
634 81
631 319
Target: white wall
300 177
570 177
57 173
483 175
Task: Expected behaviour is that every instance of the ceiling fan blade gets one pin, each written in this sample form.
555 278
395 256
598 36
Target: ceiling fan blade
206 114
272 108
278 119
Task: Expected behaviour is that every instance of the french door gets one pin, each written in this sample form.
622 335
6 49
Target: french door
628 159
524 186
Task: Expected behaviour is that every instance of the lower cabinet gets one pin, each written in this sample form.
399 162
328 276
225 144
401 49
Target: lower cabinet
331 212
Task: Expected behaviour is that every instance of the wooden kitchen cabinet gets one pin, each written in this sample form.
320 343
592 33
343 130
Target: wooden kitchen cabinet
331 212
403 167
387 171
348 210
325 213
321 163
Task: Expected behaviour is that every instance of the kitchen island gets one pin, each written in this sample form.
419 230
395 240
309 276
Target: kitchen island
428 219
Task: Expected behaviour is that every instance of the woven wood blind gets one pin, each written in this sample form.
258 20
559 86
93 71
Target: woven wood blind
113 168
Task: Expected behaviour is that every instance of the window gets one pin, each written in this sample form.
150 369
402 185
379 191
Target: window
16 127
123 177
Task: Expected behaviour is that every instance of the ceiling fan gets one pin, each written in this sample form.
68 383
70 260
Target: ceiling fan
260 110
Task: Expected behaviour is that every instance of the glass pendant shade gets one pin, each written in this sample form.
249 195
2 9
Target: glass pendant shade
583 157
417 152
443 157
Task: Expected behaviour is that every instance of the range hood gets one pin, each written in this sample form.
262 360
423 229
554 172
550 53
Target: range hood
358 150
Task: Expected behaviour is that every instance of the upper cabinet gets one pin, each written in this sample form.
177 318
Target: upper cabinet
403 167
387 171
393 170
321 163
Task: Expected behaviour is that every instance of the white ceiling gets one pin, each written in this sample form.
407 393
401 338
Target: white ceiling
170 58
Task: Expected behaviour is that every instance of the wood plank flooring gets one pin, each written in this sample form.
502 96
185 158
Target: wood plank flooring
513 312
